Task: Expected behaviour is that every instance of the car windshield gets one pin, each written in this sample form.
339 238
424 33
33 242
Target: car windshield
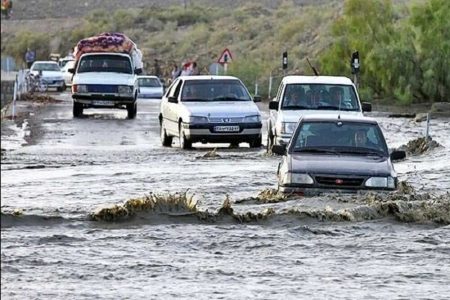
214 90
149 82
339 137
320 96
46 67
105 63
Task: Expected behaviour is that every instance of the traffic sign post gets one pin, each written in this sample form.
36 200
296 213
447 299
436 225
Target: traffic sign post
285 61
225 58
355 64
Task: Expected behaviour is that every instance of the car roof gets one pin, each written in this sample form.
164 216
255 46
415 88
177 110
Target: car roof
148 76
105 53
45 62
207 77
338 117
317 80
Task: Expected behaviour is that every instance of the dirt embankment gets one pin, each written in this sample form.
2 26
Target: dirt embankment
44 9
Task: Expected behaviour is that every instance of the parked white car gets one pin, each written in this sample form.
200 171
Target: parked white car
209 109
150 87
304 95
66 74
51 75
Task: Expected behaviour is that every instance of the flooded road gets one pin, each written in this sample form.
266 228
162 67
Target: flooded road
57 171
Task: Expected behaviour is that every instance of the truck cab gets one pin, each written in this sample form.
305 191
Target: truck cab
298 96
104 80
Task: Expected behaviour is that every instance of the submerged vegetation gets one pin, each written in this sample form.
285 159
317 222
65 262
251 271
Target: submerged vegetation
404 50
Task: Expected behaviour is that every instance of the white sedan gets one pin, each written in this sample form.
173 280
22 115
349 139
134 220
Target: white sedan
150 87
217 109
50 72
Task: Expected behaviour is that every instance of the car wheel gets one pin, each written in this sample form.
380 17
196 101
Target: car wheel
256 143
77 109
166 140
132 110
184 142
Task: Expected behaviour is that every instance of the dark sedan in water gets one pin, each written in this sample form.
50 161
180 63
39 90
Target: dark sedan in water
336 152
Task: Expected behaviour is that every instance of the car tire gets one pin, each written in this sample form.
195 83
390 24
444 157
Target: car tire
77 109
184 142
166 140
132 110
256 143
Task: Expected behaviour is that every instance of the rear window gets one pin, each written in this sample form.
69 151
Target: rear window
149 82
46 67
320 96
105 63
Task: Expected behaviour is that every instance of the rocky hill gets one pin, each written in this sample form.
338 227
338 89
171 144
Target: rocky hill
43 9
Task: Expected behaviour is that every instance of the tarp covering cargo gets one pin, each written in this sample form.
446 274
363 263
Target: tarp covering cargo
109 42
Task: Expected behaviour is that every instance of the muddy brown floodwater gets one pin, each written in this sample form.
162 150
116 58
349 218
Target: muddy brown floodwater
96 208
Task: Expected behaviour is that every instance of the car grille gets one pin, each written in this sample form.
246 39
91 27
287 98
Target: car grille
225 120
102 88
339 181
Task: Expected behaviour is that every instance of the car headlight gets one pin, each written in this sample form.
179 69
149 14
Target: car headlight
197 119
288 127
79 88
381 182
252 119
297 178
125 90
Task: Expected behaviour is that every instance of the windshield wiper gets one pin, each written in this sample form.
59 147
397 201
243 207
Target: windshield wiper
316 150
195 100
325 107
296 107
228 99
364 152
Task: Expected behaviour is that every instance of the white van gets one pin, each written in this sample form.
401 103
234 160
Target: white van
304 95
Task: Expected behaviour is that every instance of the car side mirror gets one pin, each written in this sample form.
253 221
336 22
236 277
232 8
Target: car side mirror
366 107
273 105
71 70
173 99
257 98
138 71
397 155
279 149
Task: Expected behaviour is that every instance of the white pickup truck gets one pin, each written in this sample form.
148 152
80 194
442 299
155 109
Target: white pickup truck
305 95
104 80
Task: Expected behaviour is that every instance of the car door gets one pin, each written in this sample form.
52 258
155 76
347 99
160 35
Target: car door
172 110
274 113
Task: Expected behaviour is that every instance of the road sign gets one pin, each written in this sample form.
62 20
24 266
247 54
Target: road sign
225 57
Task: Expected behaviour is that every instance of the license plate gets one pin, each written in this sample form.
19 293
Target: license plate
102 103
226 128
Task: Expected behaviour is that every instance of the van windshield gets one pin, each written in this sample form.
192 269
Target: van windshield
320 96
105 63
